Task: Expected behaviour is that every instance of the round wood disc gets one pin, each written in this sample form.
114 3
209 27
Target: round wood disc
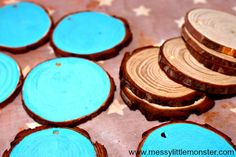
23 26
10 79
214 29
211 59
141 72
67 91
54 142
185 136
91 35
153 111
182 67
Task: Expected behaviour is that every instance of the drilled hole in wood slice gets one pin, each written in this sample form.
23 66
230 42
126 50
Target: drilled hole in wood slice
187 70
163 134
56 132
58 64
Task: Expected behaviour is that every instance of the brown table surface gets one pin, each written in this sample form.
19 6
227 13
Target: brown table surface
152 22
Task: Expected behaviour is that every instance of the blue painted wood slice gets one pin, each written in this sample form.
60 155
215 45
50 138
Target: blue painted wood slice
23 25
92 35
185 136
10 78
54 142
68 90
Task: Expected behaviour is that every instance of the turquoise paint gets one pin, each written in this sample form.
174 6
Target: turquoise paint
22 24
47 143
9 76
65 89
88 33
187 137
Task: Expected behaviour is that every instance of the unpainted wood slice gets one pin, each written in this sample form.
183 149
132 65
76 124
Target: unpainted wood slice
164 113
10 79
185 135
54 142
97 36
214 29
178 63
211 59
141 72
24 26
67 91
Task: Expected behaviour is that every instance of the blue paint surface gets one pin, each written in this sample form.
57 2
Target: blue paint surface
9 76
88 33
22 24
54 142
65 89
186 137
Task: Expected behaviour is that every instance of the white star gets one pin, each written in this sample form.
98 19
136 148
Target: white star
50 11
180 22
116 107
100 62
199 1
160 43
233 110
234 8
105 2
141 10
6 2
26 70
50 50
32 125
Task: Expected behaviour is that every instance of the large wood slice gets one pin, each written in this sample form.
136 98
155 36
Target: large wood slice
164 113
24 26
178 63
54 142
67 91
185 136
211 59
91 35
141 73
214 29
10 79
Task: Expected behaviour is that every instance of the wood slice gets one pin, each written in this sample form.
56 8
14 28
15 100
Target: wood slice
211 59
164 113
178 63
10 79
214 29
23 26
54 142
97 36
141 72
185 136
67 91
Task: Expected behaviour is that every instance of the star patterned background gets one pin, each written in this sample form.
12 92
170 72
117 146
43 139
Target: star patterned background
152 22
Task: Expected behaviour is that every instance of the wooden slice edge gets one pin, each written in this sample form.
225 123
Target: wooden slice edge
208 60
176 75
206 126
109 53
37 44
126 80
163 114
83 119
99 148
205 40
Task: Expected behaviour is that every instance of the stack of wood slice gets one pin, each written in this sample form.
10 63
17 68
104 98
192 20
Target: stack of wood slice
174 81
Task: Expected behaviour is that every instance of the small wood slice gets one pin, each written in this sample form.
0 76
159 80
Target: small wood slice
67 91
141 73
211 59
10 79
23 26
91 35
178 63
185 136
214 29
164 113
54 142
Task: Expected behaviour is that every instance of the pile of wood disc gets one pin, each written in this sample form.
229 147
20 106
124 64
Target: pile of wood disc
174 81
